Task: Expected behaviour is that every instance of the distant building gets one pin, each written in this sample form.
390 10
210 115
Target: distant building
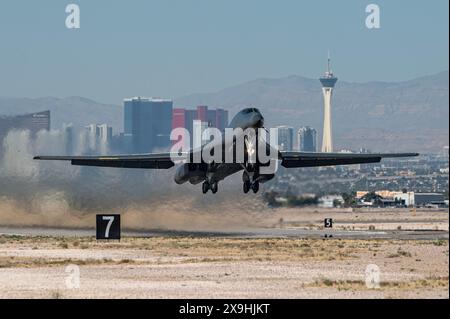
92 129
328 81
214 118
307 139
424 199
105 133
33 122
184 118
147 123
69 136
407 198
403 198
285 138
330 201
99 137
102 131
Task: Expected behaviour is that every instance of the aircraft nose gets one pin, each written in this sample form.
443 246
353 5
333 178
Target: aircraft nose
257 120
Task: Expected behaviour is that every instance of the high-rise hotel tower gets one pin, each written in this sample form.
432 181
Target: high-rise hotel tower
328 81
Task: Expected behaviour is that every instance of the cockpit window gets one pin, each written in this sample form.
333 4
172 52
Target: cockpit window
250 110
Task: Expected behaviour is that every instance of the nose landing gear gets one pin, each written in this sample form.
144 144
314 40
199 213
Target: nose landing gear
250 183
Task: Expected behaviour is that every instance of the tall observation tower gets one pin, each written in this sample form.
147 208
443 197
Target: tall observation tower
328 81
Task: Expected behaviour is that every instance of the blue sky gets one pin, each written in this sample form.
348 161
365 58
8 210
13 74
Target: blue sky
170 48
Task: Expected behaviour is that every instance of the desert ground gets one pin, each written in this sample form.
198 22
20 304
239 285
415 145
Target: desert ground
203 266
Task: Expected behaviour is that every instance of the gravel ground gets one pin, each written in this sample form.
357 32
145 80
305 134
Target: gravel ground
184 267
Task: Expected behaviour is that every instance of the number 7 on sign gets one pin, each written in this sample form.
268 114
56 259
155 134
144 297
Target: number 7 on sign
110 220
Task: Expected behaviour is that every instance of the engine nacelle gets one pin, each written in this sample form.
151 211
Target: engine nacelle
194 173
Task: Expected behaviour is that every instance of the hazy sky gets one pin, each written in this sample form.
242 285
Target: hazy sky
170 48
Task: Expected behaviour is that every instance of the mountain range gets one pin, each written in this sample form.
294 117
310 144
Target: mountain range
381 116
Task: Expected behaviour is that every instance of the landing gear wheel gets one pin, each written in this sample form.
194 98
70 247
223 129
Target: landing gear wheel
205 187
214 187
246 187
255 187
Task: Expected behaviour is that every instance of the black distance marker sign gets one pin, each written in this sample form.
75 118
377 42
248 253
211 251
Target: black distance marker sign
108 226
328 223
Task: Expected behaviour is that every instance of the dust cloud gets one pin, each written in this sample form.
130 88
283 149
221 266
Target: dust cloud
56 194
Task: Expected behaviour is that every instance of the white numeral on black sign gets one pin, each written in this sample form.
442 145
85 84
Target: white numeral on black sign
108 227
110 220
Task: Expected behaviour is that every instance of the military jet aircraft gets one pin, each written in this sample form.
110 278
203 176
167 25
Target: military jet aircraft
210 173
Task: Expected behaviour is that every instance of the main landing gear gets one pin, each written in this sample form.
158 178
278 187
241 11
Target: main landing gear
247 186
213 186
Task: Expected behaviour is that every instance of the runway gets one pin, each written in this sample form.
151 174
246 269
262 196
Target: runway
244 233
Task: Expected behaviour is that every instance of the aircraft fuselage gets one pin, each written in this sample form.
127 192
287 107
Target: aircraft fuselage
211 173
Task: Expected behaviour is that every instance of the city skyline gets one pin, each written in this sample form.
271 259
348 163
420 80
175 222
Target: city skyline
181 118
295 90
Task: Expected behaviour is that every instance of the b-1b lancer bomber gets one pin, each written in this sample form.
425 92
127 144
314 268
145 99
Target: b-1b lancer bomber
244 149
